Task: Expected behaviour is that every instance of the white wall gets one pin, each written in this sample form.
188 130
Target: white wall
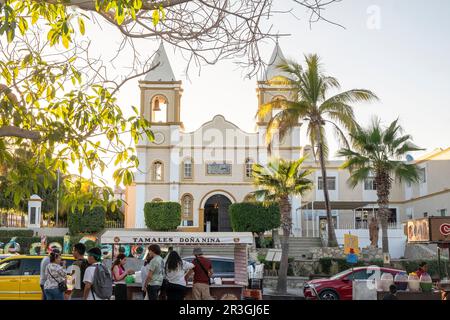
397 240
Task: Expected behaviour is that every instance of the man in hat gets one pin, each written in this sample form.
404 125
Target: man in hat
202 273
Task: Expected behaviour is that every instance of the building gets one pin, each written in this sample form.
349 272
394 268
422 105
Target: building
208 169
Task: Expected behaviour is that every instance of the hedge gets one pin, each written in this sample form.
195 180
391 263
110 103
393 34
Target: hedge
89 221
26 242
254 217
162 216
16 233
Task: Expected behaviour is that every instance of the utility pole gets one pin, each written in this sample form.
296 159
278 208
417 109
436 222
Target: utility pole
57 199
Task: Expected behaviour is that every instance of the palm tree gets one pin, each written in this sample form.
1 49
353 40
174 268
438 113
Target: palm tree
309 102
277 182
379 153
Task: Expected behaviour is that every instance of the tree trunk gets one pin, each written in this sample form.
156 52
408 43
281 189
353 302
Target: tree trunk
383 181
286 223
332 241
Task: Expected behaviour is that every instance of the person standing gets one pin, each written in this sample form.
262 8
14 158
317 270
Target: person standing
55 275
202 273
97 280
119 274
423 268
77 270
144 273
155 274
177 271
44 263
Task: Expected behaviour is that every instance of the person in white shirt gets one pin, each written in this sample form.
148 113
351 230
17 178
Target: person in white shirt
177 271
94 259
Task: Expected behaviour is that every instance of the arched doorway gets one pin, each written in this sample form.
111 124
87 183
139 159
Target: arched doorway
216 217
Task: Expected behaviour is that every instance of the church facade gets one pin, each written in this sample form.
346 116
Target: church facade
205 170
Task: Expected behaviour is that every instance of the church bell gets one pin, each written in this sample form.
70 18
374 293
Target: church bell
156 105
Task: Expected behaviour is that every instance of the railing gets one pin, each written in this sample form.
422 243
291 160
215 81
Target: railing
9 220
365 225
114 224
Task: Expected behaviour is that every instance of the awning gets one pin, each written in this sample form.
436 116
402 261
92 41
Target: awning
145 237
337 205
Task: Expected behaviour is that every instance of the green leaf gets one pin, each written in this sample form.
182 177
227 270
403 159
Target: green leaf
65 41
81 25
155 17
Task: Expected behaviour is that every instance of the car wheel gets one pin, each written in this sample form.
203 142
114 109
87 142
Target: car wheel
328 295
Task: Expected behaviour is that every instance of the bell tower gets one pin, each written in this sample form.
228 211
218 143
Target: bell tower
159 158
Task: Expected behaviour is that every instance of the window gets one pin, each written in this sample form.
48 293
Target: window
423 175
187 223
248 168
31 267
187 205
10 268
443 212
331 183
158 171
222 266
425 214
361 274
370 184
187 169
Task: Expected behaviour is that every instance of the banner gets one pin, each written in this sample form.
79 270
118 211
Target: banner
351 242
176 238
66 246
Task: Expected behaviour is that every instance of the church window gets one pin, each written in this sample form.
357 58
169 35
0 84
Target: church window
248 168
187 205
158 171
187 168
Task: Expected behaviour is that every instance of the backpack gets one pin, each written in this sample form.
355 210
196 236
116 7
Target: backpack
102 283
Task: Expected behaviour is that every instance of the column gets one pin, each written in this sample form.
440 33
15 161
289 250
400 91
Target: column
141 180
174 167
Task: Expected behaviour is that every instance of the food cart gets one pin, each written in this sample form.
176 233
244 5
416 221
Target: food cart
431 230
222 289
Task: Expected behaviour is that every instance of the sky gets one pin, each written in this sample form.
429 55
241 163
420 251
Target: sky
396 48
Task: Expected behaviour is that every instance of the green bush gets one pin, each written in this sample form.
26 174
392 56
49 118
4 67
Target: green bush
89 221
325 265
162 216
16 233
254 217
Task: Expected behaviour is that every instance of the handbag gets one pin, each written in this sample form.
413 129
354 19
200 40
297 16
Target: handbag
62 286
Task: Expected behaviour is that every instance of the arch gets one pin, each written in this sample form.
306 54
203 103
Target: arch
163 104
278 97
216 215
214 192
157 170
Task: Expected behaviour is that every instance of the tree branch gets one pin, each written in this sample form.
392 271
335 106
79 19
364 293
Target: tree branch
12 131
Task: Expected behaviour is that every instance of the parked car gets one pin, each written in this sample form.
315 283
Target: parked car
19 277
340 286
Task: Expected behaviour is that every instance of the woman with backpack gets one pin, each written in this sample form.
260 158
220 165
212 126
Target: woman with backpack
177 271
119 274
55 283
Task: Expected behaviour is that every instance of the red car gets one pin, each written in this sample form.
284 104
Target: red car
340 286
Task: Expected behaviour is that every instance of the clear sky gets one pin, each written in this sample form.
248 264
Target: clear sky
396 48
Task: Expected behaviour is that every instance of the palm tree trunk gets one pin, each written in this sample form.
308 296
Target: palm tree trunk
383 181
286 224
332 241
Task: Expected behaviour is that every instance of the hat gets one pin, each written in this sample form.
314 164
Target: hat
198 251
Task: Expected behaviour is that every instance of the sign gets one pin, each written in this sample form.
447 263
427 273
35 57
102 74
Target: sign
175 238
351 242
66 245
218 168
440 229
273 255
418 230
431 229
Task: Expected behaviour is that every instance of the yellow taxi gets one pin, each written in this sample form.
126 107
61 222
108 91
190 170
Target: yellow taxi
20 275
